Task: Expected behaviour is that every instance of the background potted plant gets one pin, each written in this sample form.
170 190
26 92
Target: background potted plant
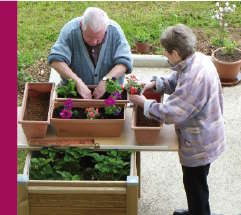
227 59
142 42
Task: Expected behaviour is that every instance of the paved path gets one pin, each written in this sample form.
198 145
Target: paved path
162 188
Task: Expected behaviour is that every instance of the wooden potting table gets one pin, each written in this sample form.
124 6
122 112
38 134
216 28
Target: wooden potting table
167 141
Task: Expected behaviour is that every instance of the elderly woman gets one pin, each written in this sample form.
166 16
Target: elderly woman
195 106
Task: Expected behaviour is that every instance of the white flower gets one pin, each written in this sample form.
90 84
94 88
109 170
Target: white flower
227 4
221 9
217 4
225 9
225 24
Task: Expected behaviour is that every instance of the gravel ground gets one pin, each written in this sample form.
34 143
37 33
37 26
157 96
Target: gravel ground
162 188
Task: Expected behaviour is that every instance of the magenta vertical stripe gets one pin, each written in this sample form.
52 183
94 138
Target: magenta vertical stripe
8 107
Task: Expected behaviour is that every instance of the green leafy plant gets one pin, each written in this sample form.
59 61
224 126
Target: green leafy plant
229 47
113 85
142 36
79 164
67 90
23 77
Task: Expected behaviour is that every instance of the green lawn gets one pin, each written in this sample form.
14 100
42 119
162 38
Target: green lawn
39 24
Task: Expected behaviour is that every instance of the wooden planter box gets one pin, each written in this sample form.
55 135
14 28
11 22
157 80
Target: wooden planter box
92 87
36 106
38 197
86 127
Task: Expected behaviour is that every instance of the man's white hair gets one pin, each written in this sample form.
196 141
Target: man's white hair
95 18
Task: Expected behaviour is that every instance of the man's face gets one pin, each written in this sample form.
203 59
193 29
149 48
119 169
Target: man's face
93 38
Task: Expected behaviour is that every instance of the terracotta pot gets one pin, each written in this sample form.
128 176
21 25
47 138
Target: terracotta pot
36 106
87 127
92 87
143 48
144 134
228 71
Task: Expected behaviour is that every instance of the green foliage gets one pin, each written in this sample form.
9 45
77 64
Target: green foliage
112 110
142 36
112 85
229 47
67 90
79 164
23 78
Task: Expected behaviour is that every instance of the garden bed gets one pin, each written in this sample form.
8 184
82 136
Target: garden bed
44 197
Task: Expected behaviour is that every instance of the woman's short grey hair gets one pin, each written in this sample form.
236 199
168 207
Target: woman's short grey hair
95 18
180 38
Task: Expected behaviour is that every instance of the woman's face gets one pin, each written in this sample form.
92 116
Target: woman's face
173 58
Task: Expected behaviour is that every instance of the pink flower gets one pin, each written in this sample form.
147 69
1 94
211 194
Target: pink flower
68 104
110 101
66 114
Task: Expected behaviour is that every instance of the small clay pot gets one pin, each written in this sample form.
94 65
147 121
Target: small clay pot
143 48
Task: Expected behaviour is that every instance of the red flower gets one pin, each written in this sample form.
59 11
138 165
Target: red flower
133 90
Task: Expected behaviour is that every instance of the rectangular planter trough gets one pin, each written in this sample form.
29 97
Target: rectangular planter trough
50 197
87 127
36 106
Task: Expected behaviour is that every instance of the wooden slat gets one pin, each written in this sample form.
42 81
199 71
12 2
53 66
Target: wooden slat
75 190
77 200
77 183
76 211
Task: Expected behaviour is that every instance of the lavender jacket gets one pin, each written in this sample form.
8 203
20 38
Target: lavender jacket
195 106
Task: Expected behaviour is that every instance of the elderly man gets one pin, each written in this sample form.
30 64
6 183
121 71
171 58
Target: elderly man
195 106
89 50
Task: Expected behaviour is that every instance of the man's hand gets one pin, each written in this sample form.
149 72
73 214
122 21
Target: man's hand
83 90
99 90
150 85
138 100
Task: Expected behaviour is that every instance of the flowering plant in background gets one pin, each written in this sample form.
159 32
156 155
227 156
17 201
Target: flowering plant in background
92 113
66 112
133 85
221 15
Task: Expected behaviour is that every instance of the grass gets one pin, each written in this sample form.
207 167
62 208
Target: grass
39 24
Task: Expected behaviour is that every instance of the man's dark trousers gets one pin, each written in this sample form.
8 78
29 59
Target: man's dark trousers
196 187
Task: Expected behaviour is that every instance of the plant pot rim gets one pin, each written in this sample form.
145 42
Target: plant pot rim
224 62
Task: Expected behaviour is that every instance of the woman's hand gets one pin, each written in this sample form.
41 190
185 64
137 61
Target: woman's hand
149 86
138 100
